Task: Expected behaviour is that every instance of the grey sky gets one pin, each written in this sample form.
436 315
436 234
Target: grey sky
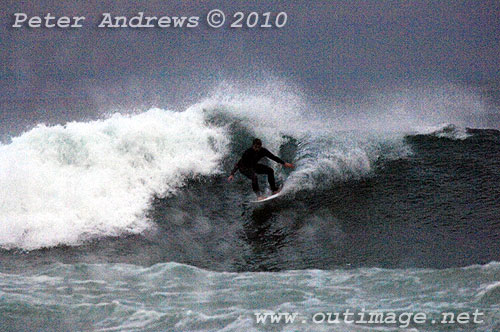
326 46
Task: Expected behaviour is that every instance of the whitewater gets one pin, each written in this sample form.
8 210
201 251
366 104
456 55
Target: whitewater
66 184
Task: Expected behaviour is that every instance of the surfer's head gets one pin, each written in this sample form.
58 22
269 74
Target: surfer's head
257 144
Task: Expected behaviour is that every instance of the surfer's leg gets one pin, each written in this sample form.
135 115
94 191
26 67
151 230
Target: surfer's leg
263 169
250 173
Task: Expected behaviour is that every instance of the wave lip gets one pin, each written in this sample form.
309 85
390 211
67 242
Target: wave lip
449 131
67 184
325 148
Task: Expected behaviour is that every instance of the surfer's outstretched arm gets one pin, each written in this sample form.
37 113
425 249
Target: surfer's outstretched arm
235 168
271 156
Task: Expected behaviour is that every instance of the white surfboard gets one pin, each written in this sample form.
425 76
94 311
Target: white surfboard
268 198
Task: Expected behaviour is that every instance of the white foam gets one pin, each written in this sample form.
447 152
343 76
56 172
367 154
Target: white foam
66 184
445 130
268 110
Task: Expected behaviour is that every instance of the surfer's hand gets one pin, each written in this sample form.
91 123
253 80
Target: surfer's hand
230 178
288 165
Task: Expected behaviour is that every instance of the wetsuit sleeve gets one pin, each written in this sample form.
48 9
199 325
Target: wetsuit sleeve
236 167
272 156
241 162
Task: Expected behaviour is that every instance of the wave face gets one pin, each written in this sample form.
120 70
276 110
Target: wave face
66 184
63 185
176 297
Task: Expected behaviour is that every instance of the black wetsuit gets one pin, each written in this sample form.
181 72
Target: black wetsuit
248 166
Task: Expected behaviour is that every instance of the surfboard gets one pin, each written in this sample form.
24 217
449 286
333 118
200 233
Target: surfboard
268 198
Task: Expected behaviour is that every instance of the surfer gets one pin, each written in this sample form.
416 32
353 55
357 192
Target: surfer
248 166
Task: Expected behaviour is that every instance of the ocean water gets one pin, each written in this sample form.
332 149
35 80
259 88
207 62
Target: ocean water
127 222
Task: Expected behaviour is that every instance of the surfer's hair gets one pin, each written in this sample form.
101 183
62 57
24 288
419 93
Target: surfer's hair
257 142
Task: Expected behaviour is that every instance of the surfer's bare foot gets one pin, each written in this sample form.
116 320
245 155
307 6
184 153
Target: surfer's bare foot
260 198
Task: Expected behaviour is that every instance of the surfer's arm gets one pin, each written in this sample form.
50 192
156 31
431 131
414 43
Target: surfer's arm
235 168
278 160
273 157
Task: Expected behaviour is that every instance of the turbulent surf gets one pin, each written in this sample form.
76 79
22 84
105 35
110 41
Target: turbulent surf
118 223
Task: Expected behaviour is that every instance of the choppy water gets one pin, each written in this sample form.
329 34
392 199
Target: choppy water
175 297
